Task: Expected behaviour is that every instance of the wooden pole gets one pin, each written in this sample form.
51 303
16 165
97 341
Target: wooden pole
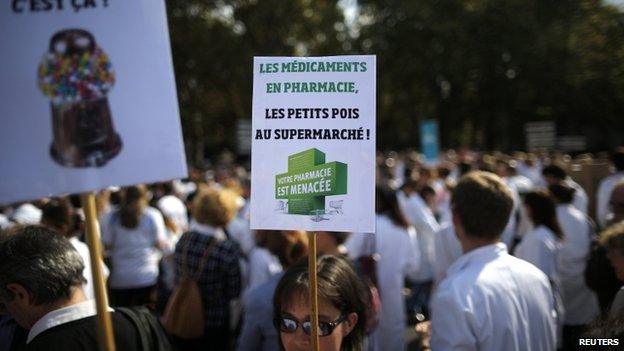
105 327
313 291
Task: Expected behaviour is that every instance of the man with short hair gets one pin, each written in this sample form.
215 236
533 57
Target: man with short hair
556 175
490 300
41 286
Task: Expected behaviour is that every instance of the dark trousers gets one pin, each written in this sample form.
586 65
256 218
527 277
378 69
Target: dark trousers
215 339
132 297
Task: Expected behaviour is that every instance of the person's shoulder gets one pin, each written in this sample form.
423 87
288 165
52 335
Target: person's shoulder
547 236
576 215
526 270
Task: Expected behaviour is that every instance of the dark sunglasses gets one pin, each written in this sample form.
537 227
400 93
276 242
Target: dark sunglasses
289 325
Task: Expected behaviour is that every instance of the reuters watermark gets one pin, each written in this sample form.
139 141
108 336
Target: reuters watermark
598 342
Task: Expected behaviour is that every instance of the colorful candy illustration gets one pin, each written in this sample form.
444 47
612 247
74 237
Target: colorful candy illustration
76 75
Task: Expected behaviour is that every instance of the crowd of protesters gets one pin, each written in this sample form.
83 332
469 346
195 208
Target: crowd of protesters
484 252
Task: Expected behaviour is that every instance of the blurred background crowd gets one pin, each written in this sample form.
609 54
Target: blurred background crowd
151 233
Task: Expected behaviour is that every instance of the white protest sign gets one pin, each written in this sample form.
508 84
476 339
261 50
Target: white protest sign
313 143
87 97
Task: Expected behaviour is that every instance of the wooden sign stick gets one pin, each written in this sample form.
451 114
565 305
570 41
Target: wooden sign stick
105 327
313 290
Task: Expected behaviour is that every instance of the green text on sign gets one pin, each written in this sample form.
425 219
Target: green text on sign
308 180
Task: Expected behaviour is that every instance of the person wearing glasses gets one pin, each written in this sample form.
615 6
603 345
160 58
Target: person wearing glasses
342 301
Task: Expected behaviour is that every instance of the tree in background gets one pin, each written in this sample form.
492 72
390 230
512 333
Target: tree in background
213 44
483 68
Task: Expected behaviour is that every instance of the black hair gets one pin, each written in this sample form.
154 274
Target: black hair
386 203
554 171
618 158
58 213
42 261
562 193
543 211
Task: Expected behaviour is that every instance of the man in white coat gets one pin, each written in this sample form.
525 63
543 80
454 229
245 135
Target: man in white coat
490 300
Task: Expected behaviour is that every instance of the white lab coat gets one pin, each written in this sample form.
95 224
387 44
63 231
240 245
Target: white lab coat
541 248
399 258
581 304
419 215
173 208
603 196
580 200
447 250
493 301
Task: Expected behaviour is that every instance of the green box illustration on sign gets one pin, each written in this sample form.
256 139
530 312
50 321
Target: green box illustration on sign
308 180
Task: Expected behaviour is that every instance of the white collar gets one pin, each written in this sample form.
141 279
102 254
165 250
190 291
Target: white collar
488 252
63 315
206 229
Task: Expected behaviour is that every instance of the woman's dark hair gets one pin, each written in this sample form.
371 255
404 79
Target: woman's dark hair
386 203
337 283
562 193
543 211
133 202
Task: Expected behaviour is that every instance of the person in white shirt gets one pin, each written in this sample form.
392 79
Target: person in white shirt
531 168
395 242
413 200
173 209
58 214
263 260
490 300
135 235
447 250
581 304
542 245
603 212
420 216
554 174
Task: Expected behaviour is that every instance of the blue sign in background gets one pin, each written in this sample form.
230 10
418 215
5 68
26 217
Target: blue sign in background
429 141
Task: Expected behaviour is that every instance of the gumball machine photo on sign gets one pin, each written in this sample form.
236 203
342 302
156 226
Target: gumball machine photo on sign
76 75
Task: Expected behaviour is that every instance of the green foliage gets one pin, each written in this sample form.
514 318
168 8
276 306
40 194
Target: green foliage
213 44
485 67
481 67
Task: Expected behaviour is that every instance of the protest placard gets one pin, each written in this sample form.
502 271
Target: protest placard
429 142
88 97
313 143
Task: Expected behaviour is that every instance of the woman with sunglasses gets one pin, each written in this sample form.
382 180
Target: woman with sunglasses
342 301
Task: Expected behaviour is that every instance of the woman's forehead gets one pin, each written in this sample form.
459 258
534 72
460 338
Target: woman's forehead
297 304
